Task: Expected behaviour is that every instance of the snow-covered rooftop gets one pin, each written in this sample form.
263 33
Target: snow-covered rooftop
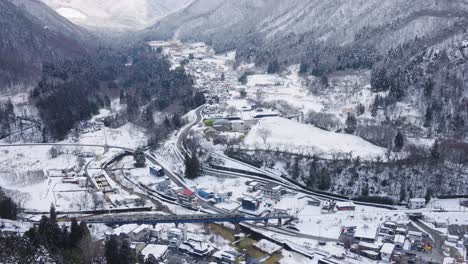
157 251
387 248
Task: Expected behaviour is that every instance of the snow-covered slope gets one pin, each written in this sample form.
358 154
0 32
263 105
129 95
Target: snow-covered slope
116 15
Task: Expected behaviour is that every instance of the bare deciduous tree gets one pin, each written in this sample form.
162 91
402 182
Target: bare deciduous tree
231 110
264 134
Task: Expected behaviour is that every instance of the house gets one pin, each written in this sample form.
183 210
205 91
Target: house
272 191
401 231
227 257
415 236
438 224
162 186
158 251
254 186
366 233
386 252
198 246
156 171
452 238
123 231
156 233
417 203
368 246
390 225
141 233
187 198
345 206
399 241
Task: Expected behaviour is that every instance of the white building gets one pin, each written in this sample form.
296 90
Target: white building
158 251
175 236
417 203
386 252
415 236
366 233
399 241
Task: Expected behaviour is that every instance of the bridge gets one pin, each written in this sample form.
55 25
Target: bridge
152 219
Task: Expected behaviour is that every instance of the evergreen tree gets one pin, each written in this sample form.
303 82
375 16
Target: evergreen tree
126 254
295 173
199 99
133 110
303 68
428 88
435 152
273 67
166 122
176 121
151 259
325 181
428 195
8 208
399 141
351 124
402 193
112 250
75 232
243 79
192 166
361 109
139 157
324 81
428 117
122 97
53 213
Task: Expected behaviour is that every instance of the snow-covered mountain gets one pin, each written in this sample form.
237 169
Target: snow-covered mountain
225 21
116 15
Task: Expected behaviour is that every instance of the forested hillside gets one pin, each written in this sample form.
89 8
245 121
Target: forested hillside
74 90
27 40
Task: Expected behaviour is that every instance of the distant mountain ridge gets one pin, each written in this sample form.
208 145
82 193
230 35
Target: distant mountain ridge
121 15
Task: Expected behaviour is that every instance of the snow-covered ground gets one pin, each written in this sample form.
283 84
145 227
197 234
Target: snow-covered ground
70 13
291 136
25 175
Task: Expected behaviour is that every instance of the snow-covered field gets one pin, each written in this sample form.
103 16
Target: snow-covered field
289 135
25 175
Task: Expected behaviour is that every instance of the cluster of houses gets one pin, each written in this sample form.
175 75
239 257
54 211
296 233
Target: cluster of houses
240 120
166 241
390 241
260 197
